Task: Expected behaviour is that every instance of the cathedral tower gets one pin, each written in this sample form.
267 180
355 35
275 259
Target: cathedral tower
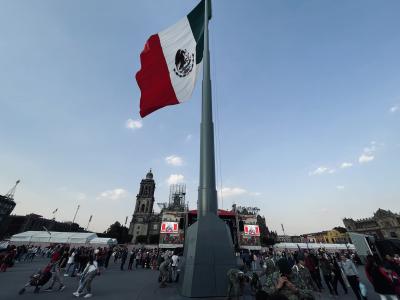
145 198
144 223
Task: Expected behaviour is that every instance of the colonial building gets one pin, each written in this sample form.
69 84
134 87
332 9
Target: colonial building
337 235
383 224
145 224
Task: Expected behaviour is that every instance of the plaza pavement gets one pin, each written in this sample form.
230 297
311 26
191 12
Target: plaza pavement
112 284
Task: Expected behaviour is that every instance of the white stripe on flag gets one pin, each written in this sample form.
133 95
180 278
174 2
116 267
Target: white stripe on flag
179 36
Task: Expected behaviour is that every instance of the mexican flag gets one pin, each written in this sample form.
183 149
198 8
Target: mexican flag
170 61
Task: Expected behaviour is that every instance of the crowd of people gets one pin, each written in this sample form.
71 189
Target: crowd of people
86 263
301 274
304 274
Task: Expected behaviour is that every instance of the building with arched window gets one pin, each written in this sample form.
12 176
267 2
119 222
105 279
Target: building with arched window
145 223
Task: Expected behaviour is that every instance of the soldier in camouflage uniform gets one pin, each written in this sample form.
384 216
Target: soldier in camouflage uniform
236 279
303 280
164 271
286 283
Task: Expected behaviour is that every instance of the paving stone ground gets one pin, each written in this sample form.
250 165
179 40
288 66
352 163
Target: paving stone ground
112 284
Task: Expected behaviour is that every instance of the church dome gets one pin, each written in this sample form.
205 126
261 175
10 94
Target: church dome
149 175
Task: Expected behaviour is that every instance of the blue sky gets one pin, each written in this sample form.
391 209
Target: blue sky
306 101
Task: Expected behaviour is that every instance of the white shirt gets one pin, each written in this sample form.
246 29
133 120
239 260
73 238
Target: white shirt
348 268
175 260
90 268
71 258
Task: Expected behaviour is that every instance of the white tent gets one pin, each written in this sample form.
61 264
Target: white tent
103 241
295 246
53 237
23 237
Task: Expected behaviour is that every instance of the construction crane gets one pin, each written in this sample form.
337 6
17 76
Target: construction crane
10 194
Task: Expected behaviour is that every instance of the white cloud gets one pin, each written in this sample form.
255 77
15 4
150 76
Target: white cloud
340 187
255 194
175 179
133 124
81 196
369 150
331 171
395 108
174 160
188 138
114 194
368 153
364 158
346 165
320 171
227 192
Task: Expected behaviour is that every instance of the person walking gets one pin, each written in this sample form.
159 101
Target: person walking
131 259
312 266
327 271
174 267
56 277
351 273
108 256
88 274
254 261
164 271
383 280
70 262
236 280
138 258
337 277
302 279
124 255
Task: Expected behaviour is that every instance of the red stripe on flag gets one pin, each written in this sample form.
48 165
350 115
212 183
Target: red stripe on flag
153 78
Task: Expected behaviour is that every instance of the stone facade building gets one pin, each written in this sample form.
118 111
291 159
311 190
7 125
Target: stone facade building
383 224
145 224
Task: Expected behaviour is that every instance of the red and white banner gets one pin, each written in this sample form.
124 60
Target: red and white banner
252 230
169 227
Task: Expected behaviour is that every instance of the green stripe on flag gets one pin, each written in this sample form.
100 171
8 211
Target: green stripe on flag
196 21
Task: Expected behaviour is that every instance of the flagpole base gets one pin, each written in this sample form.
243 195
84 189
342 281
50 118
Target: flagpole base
208 255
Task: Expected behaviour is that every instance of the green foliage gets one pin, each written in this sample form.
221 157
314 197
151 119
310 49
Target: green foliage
119 232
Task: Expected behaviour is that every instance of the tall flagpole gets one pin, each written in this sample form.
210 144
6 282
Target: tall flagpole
208 251
208 201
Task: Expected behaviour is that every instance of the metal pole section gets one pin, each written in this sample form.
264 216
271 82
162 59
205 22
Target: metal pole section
90 220
73 221
207 197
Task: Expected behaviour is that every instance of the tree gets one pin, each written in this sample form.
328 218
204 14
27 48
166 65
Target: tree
119 232
266 237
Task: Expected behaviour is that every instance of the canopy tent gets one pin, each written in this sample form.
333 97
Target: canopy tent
24 237
103 241
53 237
4 244
294 246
